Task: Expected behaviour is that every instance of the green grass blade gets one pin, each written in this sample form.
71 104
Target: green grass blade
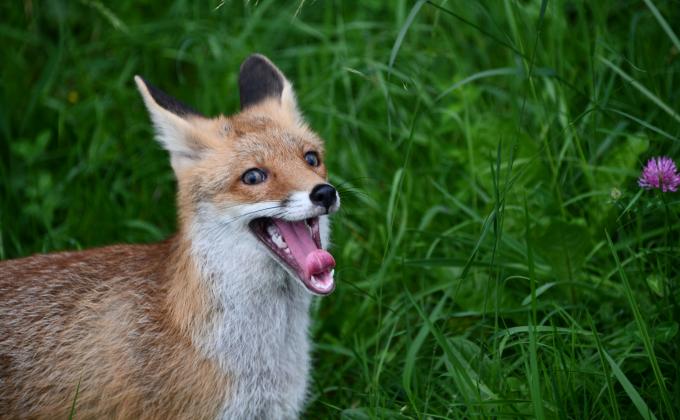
533 377
664 25
469 385
504 71
631 203
404 29
642 328
72 412
645 124
637 85
630 390
412 353
608 382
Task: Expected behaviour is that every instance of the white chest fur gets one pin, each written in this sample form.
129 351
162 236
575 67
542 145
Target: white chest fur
259 331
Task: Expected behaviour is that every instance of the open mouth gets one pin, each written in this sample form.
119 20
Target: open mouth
297 245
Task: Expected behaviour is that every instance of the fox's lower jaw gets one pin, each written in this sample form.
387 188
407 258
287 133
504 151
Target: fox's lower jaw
297 246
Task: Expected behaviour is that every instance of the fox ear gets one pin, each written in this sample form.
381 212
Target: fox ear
172 123
259 79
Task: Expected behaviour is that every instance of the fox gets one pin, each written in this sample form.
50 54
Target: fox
211 322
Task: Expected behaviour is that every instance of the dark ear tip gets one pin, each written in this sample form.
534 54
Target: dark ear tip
255 59
259 79
166 101
257 64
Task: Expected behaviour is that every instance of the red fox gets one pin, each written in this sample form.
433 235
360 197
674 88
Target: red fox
212 322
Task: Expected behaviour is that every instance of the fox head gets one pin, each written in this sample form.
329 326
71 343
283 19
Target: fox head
256 179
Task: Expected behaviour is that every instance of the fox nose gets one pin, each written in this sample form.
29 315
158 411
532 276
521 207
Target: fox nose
323 195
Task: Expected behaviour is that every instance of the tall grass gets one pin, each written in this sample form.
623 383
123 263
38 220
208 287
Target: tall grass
496 258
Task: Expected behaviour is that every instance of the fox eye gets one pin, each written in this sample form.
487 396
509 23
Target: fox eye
253 176
312 158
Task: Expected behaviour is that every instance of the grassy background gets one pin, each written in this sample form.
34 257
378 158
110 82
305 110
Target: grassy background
495 256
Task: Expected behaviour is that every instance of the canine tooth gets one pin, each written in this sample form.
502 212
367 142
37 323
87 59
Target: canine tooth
278 241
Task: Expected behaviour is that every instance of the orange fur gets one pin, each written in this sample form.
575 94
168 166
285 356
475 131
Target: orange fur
64 321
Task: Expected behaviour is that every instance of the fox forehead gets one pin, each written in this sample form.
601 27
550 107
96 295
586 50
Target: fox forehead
261 139
252 139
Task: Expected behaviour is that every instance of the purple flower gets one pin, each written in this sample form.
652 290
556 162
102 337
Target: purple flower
661 173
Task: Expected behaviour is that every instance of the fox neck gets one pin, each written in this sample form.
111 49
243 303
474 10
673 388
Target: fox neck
239 306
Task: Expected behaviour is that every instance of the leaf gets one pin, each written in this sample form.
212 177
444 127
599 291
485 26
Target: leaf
656 284
665 332
31 150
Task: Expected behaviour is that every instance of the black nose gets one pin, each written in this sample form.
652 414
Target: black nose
323 195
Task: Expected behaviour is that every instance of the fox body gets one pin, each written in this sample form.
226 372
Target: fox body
211 323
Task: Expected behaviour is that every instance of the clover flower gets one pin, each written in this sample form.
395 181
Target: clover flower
660 172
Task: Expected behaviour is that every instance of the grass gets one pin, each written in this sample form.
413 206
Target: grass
496 258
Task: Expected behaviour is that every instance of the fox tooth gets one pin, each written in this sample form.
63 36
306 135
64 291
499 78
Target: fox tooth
278 241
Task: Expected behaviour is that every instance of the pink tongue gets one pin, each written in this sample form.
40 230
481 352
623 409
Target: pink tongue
311 259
